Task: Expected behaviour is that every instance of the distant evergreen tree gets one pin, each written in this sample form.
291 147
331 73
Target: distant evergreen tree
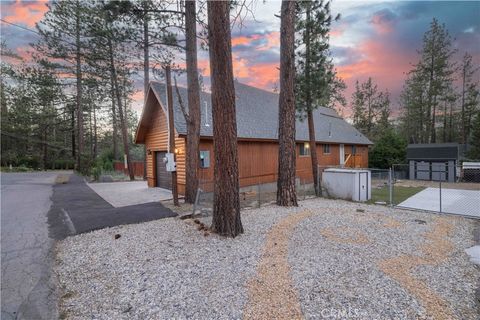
474 153
316 82
428 83
371 109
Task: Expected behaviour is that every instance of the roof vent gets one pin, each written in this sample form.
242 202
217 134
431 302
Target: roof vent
329 129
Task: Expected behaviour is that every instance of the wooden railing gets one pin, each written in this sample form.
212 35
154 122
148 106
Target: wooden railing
353 160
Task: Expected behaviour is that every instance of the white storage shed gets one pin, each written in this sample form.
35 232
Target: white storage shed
348 184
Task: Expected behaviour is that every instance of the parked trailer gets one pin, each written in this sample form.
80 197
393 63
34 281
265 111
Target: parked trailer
471 171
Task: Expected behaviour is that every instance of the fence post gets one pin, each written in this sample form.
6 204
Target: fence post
390 186
440 196
195 204
259 196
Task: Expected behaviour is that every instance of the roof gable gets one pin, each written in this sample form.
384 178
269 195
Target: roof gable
257 117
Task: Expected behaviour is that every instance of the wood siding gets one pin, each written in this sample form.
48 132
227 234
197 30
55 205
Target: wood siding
258 160
156 139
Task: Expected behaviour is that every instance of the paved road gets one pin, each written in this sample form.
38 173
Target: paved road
35 213
26 247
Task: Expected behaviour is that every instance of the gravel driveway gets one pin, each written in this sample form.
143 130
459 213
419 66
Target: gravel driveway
323 259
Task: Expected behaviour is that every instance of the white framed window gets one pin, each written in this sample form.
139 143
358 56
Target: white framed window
326 149
304 149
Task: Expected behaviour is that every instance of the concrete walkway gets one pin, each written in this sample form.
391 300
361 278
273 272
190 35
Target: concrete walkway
27 288
455 201
121 194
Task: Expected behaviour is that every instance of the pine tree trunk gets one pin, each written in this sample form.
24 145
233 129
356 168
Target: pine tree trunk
79 92
464 131
286 195
45 150
90 127
146 75
309 103
433 138
120 111
313 152
171 132
445 121
193 121
72 126
95 137
114 119
226 203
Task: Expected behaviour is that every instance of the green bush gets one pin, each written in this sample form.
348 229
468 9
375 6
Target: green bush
389 149
21 169
29 162
96 172
66 164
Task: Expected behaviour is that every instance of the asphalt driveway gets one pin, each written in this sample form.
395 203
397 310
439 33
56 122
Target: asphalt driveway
77 209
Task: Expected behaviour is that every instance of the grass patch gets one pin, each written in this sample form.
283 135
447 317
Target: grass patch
400 194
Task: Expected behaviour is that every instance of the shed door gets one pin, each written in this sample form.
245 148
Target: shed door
164 178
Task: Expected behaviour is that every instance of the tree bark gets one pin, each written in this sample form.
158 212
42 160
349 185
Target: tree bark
95 137
171 132
146 75
79 91
309 102
114 120
72 126
313 152
120 111
193 119
226 203
445 121
286 194
464 131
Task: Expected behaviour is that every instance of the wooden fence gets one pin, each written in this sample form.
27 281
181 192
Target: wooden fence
138 166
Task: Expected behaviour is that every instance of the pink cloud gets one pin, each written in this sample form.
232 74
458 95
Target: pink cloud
25 12
383 21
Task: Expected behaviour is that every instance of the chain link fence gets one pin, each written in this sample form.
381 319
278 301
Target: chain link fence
433 187
254 191
437 186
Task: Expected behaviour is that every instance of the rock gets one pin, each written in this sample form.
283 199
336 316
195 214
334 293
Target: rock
105 178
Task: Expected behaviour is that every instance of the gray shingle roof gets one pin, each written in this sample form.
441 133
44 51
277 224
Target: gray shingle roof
257 117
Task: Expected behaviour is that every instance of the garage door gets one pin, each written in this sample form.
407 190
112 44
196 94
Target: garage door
436 171
164 178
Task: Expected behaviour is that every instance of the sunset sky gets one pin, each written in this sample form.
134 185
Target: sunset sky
379 39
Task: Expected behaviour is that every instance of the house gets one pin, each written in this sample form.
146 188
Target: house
433 161
338 143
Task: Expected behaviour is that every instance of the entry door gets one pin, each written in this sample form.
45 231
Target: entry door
164 178
342 155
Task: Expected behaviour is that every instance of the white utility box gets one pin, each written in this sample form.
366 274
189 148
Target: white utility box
170 162
348 184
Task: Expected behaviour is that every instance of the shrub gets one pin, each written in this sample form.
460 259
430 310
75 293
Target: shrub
389 149
96 172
